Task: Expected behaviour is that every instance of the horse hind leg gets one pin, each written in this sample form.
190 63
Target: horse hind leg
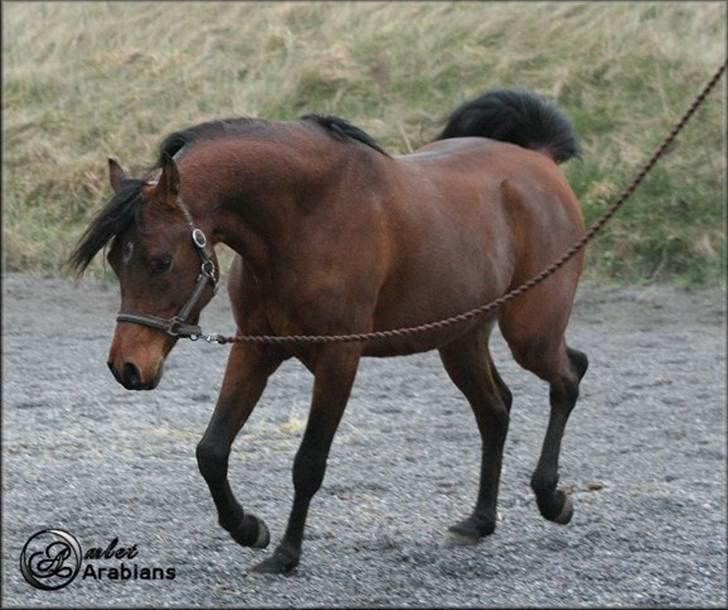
468 363
553 503
534 327
563 368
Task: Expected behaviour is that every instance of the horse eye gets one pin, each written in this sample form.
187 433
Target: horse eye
160 264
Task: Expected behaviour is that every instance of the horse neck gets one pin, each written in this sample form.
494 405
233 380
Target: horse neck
249 194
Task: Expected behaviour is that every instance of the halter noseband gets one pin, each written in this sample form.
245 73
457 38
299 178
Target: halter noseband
177 325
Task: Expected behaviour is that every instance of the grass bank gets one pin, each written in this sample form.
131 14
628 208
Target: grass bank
83 81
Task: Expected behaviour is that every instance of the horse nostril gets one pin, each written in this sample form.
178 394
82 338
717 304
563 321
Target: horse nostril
113 370
131 375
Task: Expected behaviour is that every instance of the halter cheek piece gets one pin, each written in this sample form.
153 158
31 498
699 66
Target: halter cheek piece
177 325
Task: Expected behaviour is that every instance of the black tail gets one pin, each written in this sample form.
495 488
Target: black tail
517 116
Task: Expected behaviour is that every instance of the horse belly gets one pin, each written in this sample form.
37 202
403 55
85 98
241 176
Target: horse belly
454 255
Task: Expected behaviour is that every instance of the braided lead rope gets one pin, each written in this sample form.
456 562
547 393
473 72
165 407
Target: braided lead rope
509 296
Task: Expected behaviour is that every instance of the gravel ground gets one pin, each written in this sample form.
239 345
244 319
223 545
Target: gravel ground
644 454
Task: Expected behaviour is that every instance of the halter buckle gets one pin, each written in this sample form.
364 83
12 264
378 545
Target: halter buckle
174 324
208 269
199 238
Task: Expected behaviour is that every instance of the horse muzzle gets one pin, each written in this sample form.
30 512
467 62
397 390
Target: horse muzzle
131 377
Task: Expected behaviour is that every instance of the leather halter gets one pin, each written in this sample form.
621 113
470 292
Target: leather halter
177 325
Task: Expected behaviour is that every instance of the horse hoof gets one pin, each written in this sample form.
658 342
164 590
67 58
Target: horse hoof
468 532
460 538
281 562
263 539
252 532
567 510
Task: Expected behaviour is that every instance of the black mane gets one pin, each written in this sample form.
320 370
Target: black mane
125 206
341 129
210 130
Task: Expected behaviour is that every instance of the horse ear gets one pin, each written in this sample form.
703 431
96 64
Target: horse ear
169 178
116 174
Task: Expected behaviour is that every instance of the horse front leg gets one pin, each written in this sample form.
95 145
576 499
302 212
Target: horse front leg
246 374
334 371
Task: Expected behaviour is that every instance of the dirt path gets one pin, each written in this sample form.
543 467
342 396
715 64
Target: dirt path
644 452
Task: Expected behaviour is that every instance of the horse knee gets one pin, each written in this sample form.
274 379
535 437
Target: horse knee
212 460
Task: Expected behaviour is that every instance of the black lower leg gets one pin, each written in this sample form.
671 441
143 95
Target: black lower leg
308 473
553 503
493 429
246 374
335 373
247 371
245 528
468 364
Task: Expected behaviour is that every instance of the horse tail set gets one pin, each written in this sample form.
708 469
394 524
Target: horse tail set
516 116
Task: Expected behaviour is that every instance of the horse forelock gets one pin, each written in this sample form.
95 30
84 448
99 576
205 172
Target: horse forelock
122 210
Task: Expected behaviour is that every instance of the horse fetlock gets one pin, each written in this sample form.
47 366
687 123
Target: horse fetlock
555 506
542 484
250 531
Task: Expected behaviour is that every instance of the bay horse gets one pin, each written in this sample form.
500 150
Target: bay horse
335 235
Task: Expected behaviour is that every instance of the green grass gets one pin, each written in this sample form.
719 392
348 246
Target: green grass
84 81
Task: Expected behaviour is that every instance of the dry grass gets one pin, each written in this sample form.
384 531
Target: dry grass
83 81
